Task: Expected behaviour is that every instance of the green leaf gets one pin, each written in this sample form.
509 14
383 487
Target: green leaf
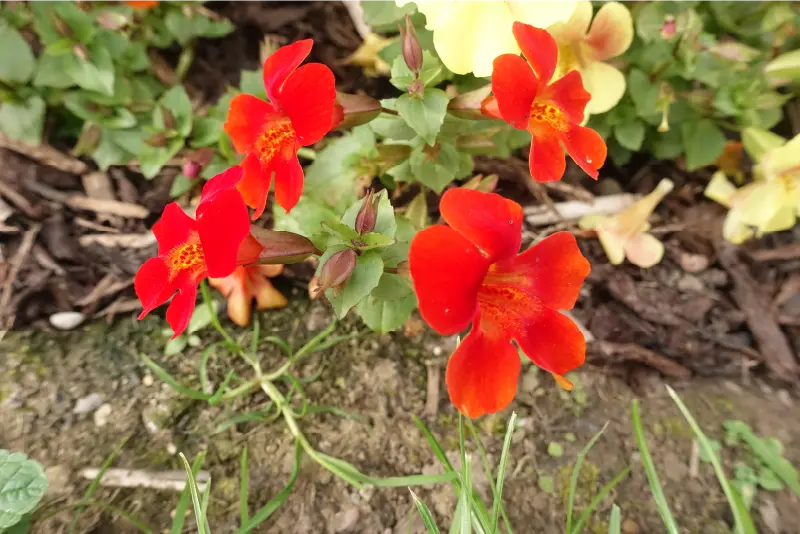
364 279
615 523
385 223
424 115
51 72
703 142
769 480
380 13
667 145
643 92
22 485
95 74
251 82
82 106
152 159
402 75
16 62
392 127
545 483
373 240
435 168
206 132
630 134
109 153
555 449
384 316
176 101
425 514
757 142
23 121
176 345
785 68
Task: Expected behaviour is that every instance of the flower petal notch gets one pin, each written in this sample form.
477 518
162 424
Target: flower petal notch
585 44
300 112
485 23
553 112
771 203
190 250
470 272
244 285
624 234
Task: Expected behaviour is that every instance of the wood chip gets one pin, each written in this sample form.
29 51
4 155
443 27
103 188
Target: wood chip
786 252
7 316
138 478
432 398
108 285
610 352
575 209
134 241
774 349
82 202
22 203
79 221
45 155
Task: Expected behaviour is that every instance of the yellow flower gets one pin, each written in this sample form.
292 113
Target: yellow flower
625 233
366 56
584 48
772 202
468 35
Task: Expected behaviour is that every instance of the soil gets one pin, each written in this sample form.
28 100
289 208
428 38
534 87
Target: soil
722 322
381 381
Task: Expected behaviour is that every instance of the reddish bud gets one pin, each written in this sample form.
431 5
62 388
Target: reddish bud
669 27
337 270
157 140
191 169
194 161
412 50
354 110
282 247
367 214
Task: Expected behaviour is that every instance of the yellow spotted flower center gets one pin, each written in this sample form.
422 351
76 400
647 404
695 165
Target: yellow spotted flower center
187 257
275 139
548 116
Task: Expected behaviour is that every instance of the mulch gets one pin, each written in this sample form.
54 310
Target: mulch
72 238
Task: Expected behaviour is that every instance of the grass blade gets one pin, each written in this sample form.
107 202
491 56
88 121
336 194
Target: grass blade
487 469
244 488
497 505
171 382
198 510
465 524
425 514
743 523
96 482
615 523
576 470
650 470
186 495
599 498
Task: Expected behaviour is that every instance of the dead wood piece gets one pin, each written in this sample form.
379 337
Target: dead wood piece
786 252
46 155
121 305
108 285
774 351
432 398
575 209
6 211
138 478
135 241
45 260
7 316
607 351
112 207
640 300
575 191
22 203
95 226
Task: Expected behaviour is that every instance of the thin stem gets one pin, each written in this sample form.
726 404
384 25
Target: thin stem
389 111
307 153
214 317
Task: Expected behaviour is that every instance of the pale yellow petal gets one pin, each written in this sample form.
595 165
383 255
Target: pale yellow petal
239 307
605 83
720 189
613 246
783 219
576 27
633 219
763 203
734 230
590 222
472 34
758 142
612 31
541 13
644 250
782 160
435 11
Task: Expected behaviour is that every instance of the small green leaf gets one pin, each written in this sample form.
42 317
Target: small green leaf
643 92
23 121
16 62
251 82
94 74
784 69
703 142
176 345
340 230
546 484
380 13
373 240
152 159
364 279
757 142
402 75
630 134
177 102
206 132
768 480
384 316
22 485
715 445
436 168
424 115
555 450
51 72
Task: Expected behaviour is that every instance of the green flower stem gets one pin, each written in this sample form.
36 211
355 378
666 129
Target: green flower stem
185 61
307 153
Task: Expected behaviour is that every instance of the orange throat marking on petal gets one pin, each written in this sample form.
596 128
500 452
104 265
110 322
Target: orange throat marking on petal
275 139
188 257
548 117
503 300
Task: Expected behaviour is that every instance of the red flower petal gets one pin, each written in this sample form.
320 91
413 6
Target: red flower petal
447 271
308 97
553 342
514 86
255 183
587 148
223 181
222 223
546 161
288 182
552 270
482 374
181 308
539 48
280 65
569 95
248 117
173 228
491 222
152 285
489 108
249 251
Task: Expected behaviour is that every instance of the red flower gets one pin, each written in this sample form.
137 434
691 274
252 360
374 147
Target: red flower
470 272
299 113
189 249
551 112
142 4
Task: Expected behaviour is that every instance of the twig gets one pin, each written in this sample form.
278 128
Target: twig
432 397
46 155
786 252
133 241
8 284
574 209
137 478
82 202
621 352
22 203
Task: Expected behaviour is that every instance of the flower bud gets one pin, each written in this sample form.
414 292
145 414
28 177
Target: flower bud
367 214
194 161
282 247
354 110
469 105
669 27
412 50
337 270
157 140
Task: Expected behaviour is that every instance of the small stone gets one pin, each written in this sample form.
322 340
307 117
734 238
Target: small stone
87 404
172 449
437 351
690 284
769 513
102 414
344 520
629 526
67 320
147 380
693 263
58 480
